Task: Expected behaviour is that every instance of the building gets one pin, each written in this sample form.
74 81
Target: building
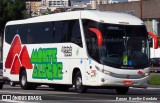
149 12
52 5
55 3
94 3
116 1
33 7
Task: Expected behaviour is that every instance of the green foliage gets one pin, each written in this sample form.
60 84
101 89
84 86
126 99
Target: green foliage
11 10
154 80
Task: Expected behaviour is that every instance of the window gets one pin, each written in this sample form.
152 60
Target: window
23 32
60 31
13 30
91 39
8 37
75 32
40 33
46 32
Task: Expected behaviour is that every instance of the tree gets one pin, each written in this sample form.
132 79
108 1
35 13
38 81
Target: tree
11 10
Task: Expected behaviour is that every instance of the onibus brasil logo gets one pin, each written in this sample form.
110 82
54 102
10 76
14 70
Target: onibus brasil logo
44 60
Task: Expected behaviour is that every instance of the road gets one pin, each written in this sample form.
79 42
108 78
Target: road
49 95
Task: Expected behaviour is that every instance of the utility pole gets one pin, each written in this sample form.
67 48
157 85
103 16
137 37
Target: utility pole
30 15
141 9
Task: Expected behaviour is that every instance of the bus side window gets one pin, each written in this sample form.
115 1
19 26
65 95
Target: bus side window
40 33
23 32
76 33
59 29
91 39
11 32
8 38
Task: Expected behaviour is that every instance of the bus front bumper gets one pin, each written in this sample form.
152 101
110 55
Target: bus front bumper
107 80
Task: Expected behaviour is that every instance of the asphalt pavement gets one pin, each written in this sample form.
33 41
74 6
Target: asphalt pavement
44 94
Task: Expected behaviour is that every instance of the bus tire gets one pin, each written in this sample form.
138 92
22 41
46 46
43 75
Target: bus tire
122 90
23 80
79 87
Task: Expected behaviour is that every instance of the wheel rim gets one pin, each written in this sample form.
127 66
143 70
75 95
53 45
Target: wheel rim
78 83
23 81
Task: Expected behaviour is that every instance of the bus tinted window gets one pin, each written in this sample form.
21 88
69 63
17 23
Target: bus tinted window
40 33
23 32
13 30
8 38
91 39
46 32
60 31
75 32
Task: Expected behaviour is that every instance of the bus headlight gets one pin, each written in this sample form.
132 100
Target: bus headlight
103 70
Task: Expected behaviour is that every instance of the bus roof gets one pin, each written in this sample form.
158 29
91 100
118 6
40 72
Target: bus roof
96 15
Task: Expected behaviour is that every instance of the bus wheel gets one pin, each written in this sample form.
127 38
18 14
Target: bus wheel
79 87
23 80
122 90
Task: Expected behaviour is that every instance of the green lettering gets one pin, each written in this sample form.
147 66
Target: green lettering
40 55
44 67
34 56
60 66
54 58
39 74
55 73
44 57
34 75
49 72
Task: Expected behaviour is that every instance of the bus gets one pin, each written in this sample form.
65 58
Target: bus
154 56
81 49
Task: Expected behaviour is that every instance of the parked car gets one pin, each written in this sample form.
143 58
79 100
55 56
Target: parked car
1 75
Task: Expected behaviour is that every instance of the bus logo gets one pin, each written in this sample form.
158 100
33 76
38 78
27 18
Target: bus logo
15 58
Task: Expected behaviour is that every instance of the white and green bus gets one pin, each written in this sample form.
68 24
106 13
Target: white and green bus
82 48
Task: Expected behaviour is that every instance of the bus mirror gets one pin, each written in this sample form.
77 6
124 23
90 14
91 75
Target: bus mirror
98 34
155 39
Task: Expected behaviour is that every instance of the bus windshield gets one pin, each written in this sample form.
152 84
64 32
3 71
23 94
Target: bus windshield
123 46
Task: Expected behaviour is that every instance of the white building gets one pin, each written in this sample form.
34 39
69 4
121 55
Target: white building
102 1
94 3
55 3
